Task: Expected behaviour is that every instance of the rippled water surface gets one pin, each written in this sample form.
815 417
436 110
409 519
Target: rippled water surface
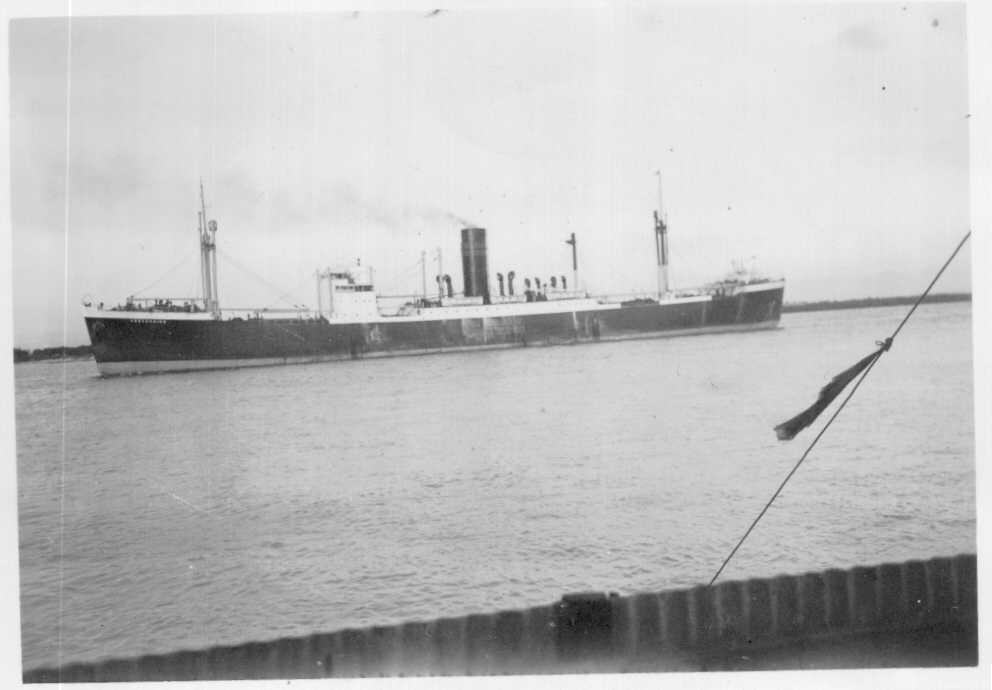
187 510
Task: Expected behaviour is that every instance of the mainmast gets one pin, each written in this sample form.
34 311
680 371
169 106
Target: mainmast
575 260
661 242
208 258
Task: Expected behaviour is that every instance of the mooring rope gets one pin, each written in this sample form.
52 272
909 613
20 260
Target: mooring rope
883 346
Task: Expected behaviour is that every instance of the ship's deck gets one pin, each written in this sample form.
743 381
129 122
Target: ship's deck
457 310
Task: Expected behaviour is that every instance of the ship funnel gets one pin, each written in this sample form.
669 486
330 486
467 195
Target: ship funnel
475 269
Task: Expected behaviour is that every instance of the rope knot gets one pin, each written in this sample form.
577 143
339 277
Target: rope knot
884 344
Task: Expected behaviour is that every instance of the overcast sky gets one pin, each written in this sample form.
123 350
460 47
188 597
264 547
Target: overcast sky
829 142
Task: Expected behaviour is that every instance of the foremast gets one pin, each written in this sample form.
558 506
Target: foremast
208 258
661 242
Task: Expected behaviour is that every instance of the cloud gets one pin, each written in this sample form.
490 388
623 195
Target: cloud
861 37
339 202
108 181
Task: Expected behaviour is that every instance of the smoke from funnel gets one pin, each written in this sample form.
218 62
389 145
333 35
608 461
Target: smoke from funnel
463 222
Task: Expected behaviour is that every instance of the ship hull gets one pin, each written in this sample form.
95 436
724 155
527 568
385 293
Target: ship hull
124 345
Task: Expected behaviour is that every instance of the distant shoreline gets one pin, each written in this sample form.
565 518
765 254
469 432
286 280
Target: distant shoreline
869 302
44 354
82 352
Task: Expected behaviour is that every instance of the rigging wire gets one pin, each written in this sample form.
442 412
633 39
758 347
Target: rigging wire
883 347
405 273
283 296
237 264
166 274
409 273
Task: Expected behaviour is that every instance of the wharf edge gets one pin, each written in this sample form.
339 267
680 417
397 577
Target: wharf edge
910 614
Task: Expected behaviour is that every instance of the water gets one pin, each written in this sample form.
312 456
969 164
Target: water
188 510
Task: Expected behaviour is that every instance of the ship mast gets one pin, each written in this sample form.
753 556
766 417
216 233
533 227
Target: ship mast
575 260
440 276
208 258
423 274
661 242
320 294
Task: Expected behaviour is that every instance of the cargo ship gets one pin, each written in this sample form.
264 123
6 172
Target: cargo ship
155 335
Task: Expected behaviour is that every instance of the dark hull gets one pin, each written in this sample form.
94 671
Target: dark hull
129 346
